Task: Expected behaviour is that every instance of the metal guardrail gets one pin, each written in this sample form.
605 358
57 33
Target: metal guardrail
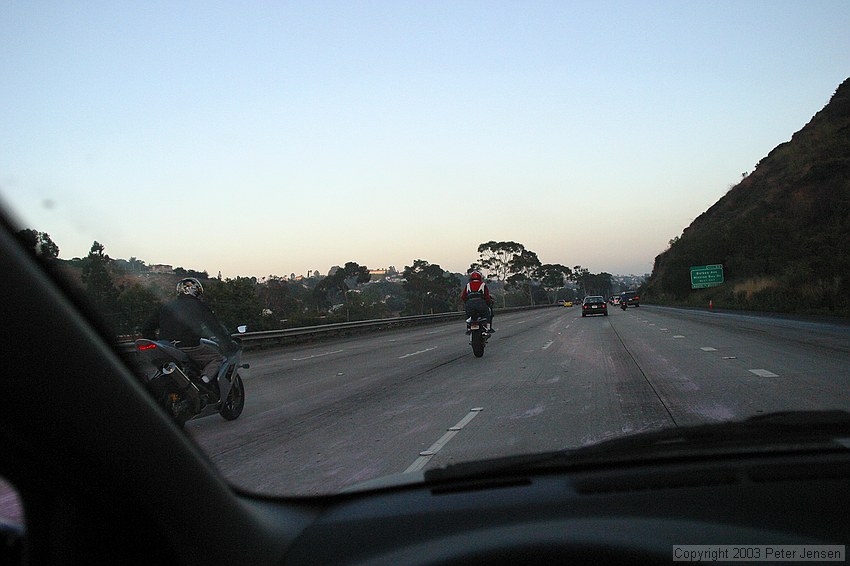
280 335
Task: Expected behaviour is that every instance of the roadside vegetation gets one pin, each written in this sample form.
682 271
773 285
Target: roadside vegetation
782 234
124 292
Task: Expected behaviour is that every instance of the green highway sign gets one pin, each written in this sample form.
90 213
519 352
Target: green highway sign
706 276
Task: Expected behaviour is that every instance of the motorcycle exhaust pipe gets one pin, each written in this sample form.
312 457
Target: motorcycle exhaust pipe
184 384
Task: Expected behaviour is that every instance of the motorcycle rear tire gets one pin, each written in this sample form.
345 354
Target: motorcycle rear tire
235 402
477 343
180 417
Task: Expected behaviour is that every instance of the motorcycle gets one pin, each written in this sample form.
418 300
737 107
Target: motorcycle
177 385
476 328
623 304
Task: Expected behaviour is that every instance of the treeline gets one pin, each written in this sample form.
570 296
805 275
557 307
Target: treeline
125 292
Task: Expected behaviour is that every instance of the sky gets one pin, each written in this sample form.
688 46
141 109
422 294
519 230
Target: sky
270 138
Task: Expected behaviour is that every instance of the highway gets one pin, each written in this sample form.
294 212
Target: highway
324 416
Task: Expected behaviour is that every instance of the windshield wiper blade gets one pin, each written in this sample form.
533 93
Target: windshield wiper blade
772 432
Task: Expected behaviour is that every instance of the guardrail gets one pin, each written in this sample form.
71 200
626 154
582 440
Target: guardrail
279 336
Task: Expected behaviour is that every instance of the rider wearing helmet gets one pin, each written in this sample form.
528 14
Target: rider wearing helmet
476 298
184 321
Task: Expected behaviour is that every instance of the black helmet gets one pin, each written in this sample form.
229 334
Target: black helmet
190 286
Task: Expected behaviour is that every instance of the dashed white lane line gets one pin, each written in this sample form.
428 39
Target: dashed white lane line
678 336
426 455
708 349
763 373
317 356
417 353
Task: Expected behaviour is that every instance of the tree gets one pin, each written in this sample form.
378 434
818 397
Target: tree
98 283
524 267
496 258
136 265
39 242
339 282
235 301
582 277
553 277
135 303
429 288
278 296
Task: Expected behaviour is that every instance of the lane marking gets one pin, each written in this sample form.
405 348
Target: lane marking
730 357
678 336
417 353
763 373
437 331
426 455
317 356
664 329
708 349
549 343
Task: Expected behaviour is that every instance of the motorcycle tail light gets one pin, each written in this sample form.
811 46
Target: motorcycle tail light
142 347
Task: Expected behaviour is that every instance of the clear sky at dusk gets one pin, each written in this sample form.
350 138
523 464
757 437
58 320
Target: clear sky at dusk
258 138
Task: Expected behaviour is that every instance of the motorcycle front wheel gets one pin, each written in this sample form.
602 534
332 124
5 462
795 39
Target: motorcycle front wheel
235 402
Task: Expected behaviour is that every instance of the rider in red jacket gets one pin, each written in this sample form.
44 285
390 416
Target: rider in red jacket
476 298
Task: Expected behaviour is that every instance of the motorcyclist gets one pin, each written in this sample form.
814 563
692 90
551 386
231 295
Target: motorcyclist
184 321
477 300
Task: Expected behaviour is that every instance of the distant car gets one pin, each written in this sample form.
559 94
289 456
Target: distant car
615 300
594 305
568 303
631 298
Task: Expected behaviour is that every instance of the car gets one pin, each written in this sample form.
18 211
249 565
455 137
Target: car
568 303
630 298
271 149
615 300
594 305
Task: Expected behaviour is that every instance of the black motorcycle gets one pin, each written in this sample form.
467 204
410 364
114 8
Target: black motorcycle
176 383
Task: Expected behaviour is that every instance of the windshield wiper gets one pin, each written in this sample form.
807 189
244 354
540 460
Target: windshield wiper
791 431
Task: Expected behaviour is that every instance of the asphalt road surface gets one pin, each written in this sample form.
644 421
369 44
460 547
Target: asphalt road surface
325 416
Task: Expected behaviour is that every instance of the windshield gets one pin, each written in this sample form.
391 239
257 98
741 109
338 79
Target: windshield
330 174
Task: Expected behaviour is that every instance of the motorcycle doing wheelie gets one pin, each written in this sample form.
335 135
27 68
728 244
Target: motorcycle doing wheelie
177 386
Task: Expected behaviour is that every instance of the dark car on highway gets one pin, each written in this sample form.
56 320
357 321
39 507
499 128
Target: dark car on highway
630 298
594 305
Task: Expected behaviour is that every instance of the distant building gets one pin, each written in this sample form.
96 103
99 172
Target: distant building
161 268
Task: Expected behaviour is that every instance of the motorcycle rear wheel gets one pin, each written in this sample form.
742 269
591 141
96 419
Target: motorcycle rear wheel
477 343
179 414
235 402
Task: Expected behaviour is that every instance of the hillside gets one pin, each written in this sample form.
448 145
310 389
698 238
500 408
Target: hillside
782 234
